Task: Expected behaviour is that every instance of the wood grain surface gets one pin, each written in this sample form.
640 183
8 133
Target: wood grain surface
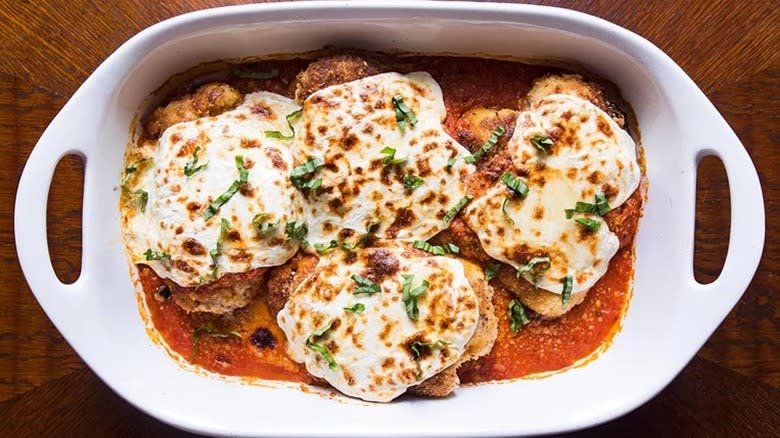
729 48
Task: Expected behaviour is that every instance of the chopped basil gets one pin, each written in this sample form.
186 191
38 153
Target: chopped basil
410 295
491 270
541 142
209 330
152 254
263 223
602 204
454 210
389 158
451 162
224 227
357 308
299 174
141 199
436 249
588 223
191 167
291 119
321 332
256 74
601 207
517 317
324 249
297 231
417 348
491 141
321 349
243 176
503 209
515 184
532 268
580 207
365 286
130 170
568 282
403 114
411 182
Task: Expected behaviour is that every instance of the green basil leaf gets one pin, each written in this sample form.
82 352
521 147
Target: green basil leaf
410 295
297 231
325 249
357 308
411 182
602 205
152 254
365 286
263 223
403 114
291 119
491 270
456 209
191 167
588 223
506 213
517 317
516 185
299 175
568 283
542 142
485 148
243 176
389 158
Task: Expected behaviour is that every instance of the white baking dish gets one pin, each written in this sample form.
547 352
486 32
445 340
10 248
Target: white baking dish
670 317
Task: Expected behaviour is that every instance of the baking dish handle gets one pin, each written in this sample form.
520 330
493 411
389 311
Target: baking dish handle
746 237
60 139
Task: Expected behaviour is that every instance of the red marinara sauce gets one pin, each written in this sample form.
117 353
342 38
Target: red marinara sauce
248 342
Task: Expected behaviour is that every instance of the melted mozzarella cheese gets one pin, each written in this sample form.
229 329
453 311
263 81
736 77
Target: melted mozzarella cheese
591 155
173 221
372 349
347 126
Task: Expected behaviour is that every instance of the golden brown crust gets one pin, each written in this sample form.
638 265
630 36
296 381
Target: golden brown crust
333 70
473 129
284 279
480 344
230 292
574 85
208 100
545 303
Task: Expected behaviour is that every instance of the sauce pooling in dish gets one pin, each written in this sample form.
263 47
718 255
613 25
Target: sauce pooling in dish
481 100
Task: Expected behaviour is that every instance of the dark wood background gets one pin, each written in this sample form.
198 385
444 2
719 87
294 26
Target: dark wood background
730 48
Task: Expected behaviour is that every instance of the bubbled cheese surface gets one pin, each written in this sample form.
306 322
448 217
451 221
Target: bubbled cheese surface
173 221
591 154
347 126
372 348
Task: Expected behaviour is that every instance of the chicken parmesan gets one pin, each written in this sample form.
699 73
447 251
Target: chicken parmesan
384 224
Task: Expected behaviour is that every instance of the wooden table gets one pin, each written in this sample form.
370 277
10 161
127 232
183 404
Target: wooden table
730 48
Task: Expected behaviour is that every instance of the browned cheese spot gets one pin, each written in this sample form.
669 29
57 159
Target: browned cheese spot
193 247
258 108
248 143
538 212
381 263
403 219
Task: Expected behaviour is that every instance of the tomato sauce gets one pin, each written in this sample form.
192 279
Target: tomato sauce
248 342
